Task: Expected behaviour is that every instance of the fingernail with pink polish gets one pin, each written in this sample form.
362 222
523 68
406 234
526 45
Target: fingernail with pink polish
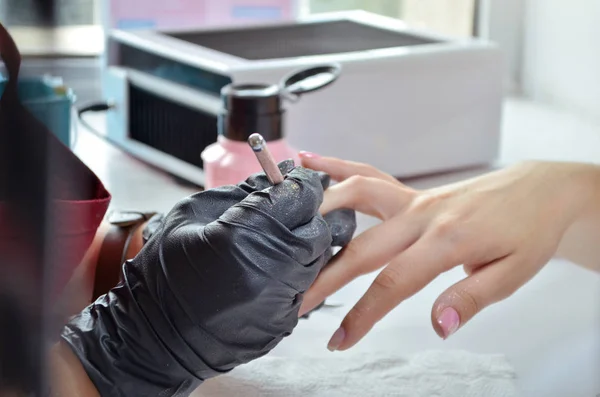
308 155
336 340
449 321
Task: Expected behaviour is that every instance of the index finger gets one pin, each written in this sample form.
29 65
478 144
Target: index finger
406 274
341 170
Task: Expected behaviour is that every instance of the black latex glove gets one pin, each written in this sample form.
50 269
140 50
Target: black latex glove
219 284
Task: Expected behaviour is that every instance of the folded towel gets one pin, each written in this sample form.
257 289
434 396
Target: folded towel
427 374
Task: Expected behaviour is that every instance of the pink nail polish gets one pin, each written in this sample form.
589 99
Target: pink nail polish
337 339
449 321
308 155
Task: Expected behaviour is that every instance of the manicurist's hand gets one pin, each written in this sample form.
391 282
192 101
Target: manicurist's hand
503 227
219 284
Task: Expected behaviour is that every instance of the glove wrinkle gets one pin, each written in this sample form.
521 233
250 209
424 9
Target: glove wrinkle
163 303
302 238
178 320
181 302
284 262
342 225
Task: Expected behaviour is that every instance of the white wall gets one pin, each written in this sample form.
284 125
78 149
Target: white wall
501 21
451 17
561 64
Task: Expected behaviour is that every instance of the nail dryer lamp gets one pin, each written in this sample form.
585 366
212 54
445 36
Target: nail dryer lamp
407 102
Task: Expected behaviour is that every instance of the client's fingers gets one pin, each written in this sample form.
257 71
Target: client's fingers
490 284
341 170
407 274
371 196
366 253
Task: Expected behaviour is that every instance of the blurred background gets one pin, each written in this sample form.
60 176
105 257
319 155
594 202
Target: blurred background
72 48
550 58
550 47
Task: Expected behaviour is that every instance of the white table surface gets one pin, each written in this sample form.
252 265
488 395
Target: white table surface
549 330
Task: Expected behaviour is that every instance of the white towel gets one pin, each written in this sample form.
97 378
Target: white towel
427 374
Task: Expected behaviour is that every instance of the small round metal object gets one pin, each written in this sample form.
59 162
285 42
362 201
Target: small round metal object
264 157
256 142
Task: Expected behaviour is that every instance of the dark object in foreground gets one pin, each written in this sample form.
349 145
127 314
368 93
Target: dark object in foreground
37 176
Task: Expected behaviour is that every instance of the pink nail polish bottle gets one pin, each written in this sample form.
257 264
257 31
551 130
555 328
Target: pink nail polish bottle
256 108
247 109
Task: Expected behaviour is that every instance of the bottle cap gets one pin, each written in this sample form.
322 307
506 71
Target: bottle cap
258 108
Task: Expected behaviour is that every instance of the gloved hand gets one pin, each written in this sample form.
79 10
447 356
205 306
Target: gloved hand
219 284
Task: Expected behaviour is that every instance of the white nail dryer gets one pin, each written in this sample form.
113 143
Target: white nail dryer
407 102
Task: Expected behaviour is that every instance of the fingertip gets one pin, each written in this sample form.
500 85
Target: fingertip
464 300
337 339
446 321
435 324
304 308
350 340
446 316
355 326
312 160
304 155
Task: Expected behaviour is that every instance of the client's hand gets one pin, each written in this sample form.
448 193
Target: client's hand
503 227
218 285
